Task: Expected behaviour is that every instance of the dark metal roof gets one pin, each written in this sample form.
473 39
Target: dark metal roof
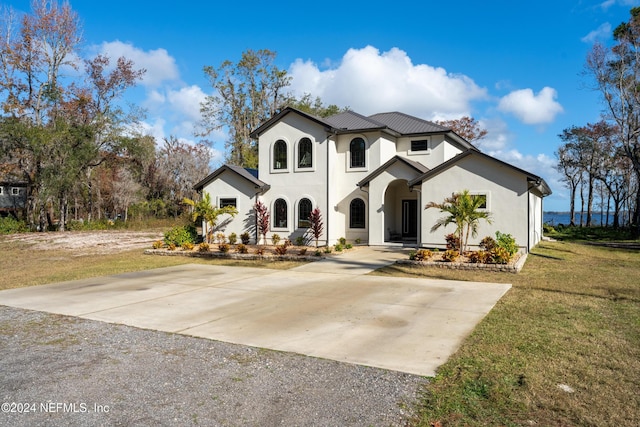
350 120
247 174
419 168
407 125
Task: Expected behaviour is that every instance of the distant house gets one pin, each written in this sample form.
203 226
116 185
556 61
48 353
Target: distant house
13 196
371 177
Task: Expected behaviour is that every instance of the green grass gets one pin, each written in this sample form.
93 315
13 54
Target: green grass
572 317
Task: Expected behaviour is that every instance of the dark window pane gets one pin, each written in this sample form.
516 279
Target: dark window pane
228 202
422 145
280 155
357 214
356 149
305 153
304 211
280 216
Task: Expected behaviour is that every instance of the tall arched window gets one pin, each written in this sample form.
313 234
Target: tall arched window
305 153
280 214
357 150
280 155
357 214
304 211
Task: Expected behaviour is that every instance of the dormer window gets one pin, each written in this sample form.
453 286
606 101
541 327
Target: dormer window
357 153
420 146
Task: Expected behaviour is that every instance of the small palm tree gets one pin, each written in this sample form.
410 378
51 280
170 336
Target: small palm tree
464 211
203 211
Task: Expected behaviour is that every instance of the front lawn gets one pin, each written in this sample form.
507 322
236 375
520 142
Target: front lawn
561 348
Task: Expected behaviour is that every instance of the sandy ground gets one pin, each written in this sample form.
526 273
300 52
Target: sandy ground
90 242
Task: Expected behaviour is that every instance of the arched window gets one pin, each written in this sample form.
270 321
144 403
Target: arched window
304 212
280 155
357 214
280 214
356 148
305 153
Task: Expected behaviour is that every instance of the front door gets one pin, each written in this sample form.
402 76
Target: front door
409 219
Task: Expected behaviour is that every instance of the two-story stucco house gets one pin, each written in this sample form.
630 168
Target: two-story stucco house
371 178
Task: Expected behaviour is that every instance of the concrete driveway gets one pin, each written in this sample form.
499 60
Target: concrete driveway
327 309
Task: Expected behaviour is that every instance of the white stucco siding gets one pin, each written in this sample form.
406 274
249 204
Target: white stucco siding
507 199
293 184
232 186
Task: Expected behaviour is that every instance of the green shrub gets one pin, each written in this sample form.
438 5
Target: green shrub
348 246
338 247
233 238
75 225
181 234
506 242
10 225
342 241
245 238
318 252
275 239
300 241
327 249
187 246
242 248
358 241
203 247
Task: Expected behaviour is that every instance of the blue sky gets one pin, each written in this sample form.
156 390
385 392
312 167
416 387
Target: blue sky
514 66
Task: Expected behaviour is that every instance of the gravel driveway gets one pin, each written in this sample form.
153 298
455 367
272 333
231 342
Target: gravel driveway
59 370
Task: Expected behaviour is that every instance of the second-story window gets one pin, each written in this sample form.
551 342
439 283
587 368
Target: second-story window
357 152
305 153
280 155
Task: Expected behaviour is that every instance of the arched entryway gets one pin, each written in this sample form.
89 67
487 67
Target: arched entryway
401 212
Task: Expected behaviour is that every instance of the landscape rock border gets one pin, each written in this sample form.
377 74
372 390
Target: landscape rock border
512 267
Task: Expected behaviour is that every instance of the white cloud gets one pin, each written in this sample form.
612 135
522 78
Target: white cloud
602 32
369 81
498 135
159 65
187 101
608 3
530 108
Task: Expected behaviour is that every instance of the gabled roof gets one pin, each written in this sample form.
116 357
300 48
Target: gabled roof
396 124
418 167
539 182
244 173
273 120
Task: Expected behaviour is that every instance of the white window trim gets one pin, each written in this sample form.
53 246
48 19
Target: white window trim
296 166
420 152
272 155
366 216
366 155
297 209
1 191
15 191
275 228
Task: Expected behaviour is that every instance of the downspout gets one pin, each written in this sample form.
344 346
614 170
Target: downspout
328 186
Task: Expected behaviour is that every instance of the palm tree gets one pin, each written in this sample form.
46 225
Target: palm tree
464 211
204 212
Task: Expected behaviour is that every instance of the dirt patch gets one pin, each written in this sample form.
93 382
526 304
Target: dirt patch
89 242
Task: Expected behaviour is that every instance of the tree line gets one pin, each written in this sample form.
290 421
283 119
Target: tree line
601 161
68 135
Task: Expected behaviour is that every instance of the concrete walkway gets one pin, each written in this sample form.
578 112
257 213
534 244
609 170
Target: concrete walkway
327 309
